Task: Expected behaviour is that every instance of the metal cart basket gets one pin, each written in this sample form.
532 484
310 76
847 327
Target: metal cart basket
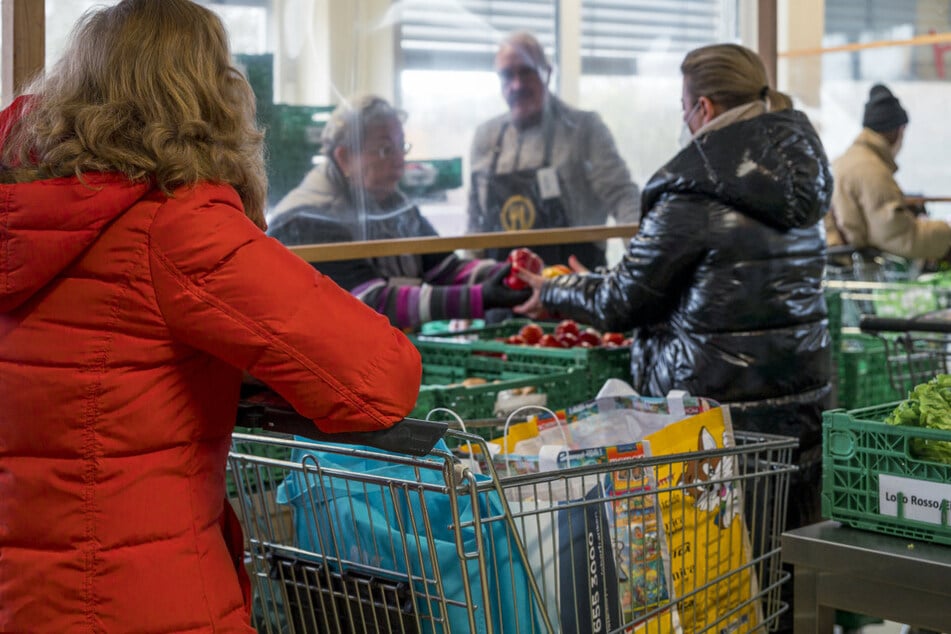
442 549
917 348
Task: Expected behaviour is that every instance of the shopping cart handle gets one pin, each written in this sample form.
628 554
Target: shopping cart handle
937 321
409 436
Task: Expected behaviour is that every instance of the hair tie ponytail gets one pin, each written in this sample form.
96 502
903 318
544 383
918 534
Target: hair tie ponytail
764 91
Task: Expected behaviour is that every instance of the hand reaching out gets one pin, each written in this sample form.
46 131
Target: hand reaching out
576 266
532 307
496 294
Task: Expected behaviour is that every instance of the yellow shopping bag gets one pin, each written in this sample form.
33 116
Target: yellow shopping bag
701 502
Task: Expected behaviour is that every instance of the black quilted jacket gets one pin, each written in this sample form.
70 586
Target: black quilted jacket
722 282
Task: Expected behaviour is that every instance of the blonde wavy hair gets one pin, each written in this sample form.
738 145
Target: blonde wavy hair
730 75
145 88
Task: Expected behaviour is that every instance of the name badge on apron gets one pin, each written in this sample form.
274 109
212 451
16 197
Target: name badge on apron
531 198
548 183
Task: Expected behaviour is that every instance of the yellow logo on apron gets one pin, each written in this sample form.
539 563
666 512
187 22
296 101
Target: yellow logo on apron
517 213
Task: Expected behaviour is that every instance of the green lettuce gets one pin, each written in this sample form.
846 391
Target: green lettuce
928 405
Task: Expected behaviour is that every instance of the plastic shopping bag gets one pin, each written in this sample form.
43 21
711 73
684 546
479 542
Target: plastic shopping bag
702 510
600 422
368 525
588 582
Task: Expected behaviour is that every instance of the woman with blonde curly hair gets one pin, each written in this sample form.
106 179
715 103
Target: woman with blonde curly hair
136 286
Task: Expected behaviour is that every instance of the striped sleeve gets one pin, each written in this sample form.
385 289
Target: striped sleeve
455 270
409 306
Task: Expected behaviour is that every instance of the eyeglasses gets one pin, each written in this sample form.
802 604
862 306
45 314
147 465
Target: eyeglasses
523 73
389 150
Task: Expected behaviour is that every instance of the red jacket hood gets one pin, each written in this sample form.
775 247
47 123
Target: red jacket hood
45 225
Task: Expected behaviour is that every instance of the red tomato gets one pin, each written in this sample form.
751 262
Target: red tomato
515 339
567 326
531 333
567 339
522 259
550 341
591 337
613 338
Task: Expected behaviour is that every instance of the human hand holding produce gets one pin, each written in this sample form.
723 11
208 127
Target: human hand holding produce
497 293
522 260
532 307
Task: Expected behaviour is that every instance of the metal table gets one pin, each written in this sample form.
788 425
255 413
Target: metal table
837 567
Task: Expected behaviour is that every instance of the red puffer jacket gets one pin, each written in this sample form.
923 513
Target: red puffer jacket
126 320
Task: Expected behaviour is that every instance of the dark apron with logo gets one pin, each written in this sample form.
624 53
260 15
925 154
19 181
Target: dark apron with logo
514 203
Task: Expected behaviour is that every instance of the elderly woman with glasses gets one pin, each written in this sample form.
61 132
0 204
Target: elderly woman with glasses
353 194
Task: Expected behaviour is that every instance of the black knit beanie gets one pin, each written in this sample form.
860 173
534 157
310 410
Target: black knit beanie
883 112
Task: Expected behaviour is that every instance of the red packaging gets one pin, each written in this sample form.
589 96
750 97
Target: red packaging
524 260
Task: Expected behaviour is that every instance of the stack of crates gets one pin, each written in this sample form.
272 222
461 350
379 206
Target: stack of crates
862 372
860 369
566 376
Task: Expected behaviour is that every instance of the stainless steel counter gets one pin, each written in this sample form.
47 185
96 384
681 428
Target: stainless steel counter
837 567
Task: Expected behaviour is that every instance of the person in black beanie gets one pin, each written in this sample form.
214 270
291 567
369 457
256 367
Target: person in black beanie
868 207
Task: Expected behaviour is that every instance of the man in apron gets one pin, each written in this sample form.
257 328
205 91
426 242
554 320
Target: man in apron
544 164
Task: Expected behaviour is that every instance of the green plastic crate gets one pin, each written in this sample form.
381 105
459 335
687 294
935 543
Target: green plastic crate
446 363
598 364
862 372
489 332
857 449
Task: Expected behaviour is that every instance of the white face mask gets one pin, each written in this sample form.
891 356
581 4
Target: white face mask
686 136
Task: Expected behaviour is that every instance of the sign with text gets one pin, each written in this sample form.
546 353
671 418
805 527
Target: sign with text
921 500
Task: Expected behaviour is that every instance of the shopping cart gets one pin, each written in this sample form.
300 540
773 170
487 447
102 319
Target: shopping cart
345 538
867 264
917 348
445 550
860 368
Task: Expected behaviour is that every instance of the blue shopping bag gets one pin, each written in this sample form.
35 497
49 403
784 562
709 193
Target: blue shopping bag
367 524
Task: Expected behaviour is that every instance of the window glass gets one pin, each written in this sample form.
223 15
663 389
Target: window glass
631 52
434 60
247 23
865 42
61 16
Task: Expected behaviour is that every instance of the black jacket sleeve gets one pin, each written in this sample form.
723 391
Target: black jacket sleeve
648 282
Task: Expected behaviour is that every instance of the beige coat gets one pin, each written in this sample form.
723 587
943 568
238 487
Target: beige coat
868 207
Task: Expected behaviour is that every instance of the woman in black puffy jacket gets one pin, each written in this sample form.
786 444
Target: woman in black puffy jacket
722 283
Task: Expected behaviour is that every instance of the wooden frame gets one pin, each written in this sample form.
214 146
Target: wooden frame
767 29
474 241
24 43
